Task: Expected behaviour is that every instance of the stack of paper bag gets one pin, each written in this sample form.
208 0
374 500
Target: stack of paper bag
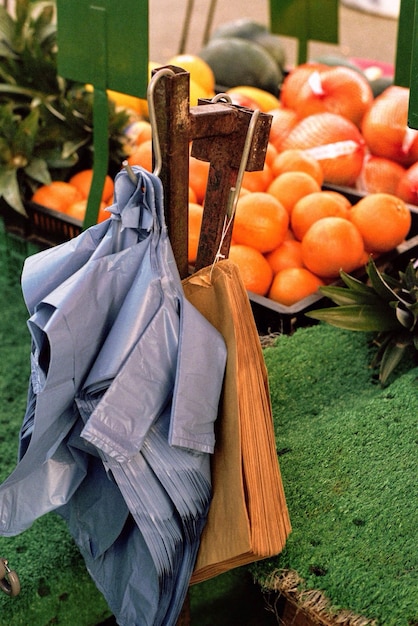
248 518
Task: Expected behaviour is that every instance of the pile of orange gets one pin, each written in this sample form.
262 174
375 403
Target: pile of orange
290 236
70 197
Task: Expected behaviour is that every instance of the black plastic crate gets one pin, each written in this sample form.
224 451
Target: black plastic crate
51 227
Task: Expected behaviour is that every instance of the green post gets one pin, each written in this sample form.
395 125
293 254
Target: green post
405 43
306 20
103 43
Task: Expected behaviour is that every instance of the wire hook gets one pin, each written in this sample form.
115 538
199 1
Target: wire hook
165 71
234 191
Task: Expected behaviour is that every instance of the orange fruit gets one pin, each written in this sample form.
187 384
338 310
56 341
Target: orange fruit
339 197
271 154
192 195
313 207
255 270
288 254
194 226
330 245
295 160
385 127
290 187
82 180
58 195
282 123
334 141
381 175
78 210
198 177
142 156
103 213
337 89
258 180
407 185
293 284
260 221
295 80
382 219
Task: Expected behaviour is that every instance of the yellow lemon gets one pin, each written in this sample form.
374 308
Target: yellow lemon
200 72
264 100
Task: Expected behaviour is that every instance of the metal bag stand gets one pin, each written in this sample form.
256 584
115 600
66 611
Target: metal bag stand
218 132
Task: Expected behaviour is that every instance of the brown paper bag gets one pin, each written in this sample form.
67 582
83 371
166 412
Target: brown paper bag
248 518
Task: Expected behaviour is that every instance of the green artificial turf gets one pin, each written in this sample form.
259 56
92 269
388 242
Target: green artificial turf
56 588
348 455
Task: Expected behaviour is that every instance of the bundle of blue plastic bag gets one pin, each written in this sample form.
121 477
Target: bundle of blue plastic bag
126 377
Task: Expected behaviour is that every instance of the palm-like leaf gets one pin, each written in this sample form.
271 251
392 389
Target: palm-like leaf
387 306
45 121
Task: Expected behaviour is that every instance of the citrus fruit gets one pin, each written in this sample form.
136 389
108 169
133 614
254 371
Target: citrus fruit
283 120
271 154
295 80
58 195
200 72
336 89
78 211
255 270
296 160
383 220
194 226
198 177
334 141
125 101
385 127
289 187
313 207
259 98
83 179
192 195
332 244
288 254
338 197
292 284
259 180
142 156
381 175
407 185
260 221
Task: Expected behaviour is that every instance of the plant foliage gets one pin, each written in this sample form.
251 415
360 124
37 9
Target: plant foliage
46 121
387 306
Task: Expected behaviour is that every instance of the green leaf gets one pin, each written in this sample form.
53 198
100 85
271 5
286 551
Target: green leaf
355 284
392 356
10 191
38 170
25 137
345 295
404 316
382 287
364 318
